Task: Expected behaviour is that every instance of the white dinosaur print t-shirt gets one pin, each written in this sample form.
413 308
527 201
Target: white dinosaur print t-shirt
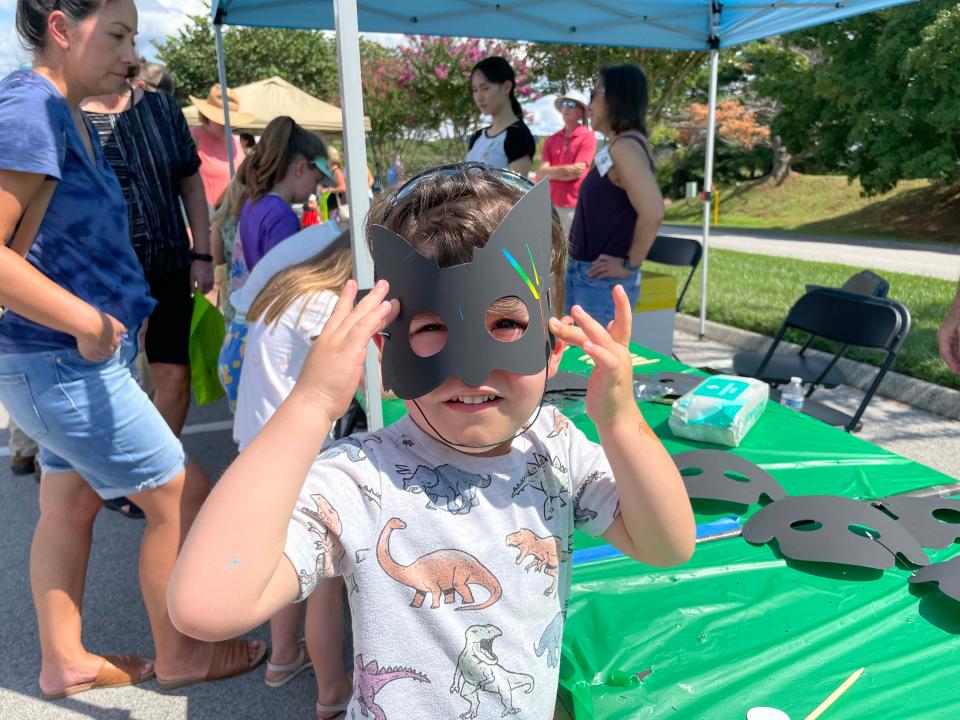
457 567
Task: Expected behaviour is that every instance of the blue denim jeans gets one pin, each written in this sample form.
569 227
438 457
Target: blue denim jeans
92 418
595 295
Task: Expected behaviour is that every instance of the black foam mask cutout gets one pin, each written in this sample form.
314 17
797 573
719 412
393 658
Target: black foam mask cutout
515 262
945 574
817 528
916 514
714 482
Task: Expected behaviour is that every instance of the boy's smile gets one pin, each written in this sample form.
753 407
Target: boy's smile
488 416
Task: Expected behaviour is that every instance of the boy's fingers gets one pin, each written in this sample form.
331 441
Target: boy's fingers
622 320
594 331
604 359
373 321
567 331
344 305
370 301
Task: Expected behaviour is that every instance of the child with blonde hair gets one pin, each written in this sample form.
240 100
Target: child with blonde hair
282 321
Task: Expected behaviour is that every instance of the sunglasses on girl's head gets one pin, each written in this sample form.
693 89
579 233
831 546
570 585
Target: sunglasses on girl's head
501 175
569 104
595 91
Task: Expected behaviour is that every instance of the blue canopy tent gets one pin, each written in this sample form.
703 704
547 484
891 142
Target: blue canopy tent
707 25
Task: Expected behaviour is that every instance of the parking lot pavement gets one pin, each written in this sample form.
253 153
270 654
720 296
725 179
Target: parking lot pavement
114 617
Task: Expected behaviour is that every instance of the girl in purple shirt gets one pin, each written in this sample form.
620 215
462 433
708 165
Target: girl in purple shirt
285 167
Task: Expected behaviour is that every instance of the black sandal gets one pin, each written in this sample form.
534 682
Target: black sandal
125 507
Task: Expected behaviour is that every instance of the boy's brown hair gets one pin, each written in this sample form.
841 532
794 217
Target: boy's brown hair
451 214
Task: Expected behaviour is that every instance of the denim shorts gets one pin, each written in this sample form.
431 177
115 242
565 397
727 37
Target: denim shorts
92 418
595 295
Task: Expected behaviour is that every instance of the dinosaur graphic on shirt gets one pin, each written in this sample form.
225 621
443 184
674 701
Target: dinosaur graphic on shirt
560 424
580 513
351 447
370 679
443 572
478 668
550 641
545 552
445 485
549 476
327 528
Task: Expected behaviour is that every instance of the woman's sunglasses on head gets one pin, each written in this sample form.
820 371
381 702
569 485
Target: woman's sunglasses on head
597 90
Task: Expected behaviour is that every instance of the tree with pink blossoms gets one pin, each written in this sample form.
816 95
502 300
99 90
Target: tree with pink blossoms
438 69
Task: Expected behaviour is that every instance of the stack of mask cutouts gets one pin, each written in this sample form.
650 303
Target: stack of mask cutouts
830 528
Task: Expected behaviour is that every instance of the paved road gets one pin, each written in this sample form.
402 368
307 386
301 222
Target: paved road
930 260
115 620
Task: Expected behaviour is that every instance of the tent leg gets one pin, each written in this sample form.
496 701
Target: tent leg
222 71
355 151
708 185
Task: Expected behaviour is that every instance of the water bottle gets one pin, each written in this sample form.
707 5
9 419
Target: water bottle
792 395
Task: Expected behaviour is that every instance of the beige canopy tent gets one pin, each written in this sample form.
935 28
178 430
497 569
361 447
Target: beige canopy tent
273 97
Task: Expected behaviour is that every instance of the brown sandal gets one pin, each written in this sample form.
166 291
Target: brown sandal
230 659
116 671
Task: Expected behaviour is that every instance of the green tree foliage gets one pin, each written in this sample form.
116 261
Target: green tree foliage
874 97
305 58
670 74
389 100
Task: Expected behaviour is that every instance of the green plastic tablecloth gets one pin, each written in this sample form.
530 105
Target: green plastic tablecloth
738 626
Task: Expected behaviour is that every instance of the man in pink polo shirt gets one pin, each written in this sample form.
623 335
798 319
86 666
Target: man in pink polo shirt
567 156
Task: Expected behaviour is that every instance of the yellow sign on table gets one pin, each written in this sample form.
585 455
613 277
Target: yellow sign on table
654 313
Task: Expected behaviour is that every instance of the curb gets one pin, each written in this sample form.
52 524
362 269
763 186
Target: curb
919 394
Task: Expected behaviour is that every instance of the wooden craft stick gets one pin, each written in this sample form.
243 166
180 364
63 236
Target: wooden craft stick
821 708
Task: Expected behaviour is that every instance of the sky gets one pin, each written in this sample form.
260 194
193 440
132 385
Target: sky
159 18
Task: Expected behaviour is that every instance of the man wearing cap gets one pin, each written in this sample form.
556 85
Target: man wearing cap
211 141
567 155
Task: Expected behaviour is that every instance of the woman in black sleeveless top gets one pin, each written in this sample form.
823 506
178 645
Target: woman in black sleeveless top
619 209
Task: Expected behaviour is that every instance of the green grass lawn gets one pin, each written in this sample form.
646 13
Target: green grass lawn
829 205
754 292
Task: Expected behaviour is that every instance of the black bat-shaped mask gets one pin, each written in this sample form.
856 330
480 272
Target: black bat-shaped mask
515 262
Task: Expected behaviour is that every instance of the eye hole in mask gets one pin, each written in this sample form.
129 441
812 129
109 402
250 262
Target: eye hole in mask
428 334
507 319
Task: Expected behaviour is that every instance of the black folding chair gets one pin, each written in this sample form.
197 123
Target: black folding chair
850 319
810 369
678 252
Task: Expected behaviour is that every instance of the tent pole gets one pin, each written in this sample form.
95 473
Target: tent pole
222 70
355 157
708 184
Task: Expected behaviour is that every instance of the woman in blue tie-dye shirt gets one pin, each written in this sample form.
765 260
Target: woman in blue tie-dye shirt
76 300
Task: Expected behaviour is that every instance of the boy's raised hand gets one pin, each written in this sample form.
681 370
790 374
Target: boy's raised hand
610 388
334 365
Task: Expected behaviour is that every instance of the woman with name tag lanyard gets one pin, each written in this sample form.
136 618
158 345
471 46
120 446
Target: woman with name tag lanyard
619 209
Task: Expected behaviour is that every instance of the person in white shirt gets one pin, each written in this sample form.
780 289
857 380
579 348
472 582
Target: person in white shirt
507 141
282 321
